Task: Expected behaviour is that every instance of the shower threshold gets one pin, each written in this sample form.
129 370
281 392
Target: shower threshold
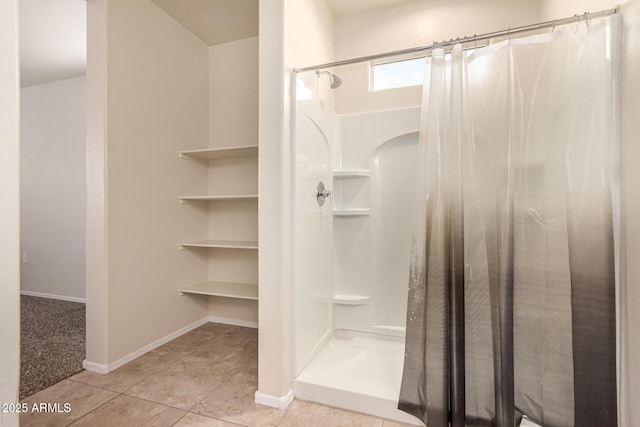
358 371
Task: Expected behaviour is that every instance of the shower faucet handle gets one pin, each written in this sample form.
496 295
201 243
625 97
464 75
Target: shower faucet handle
322 193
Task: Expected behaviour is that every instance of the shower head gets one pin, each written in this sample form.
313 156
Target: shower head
335 80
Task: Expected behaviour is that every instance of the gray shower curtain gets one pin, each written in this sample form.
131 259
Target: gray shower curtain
511 306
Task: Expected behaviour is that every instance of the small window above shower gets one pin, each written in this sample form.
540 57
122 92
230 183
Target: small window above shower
404 72
397 74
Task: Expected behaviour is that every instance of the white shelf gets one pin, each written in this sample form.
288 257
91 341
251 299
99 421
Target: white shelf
215 198
351 212
223 244
220 153
223 289
355 173
344 299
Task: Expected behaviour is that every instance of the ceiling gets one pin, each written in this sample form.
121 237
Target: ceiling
53 33
53 40
215 21
221 21
347 7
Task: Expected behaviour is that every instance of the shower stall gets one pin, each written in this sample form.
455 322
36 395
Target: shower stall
353 178
496 233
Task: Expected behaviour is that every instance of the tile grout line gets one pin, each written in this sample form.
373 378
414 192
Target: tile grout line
216 418
123 393
95 386
136 383
286 411
190 410
180 357
157 403
180 419
96 408
133 397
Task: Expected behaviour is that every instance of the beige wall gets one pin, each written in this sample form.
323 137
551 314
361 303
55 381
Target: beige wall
423 22
558 9
233 93
52 188
10 211
309 33
416 23
155 103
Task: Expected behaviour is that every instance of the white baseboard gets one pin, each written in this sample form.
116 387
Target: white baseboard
53 296
105 369
98 368
280 402
234 322
157 343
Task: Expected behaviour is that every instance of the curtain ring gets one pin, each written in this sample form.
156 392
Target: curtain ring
578 19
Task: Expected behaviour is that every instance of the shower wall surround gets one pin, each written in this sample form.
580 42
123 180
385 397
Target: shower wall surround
372 249
350 254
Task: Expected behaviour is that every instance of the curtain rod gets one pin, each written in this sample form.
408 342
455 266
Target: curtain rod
556 22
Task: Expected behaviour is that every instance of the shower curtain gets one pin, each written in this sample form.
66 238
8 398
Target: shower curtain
511 306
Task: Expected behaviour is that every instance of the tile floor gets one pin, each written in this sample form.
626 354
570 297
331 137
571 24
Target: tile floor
206 377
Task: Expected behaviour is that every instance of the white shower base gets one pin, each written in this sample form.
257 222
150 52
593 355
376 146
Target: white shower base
357 371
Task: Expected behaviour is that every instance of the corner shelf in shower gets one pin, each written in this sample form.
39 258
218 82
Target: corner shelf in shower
345 299
220 153
352 212
354 173
223 289
221 244
184 199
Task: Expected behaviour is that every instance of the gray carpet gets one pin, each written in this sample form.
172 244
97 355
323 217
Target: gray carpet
52 342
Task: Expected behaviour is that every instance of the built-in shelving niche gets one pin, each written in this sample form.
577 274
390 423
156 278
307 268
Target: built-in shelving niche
349 174
233 205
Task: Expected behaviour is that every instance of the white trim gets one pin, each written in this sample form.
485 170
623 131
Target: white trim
234 322
157 343
98 368
280 402
105 369
53 296
378 406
